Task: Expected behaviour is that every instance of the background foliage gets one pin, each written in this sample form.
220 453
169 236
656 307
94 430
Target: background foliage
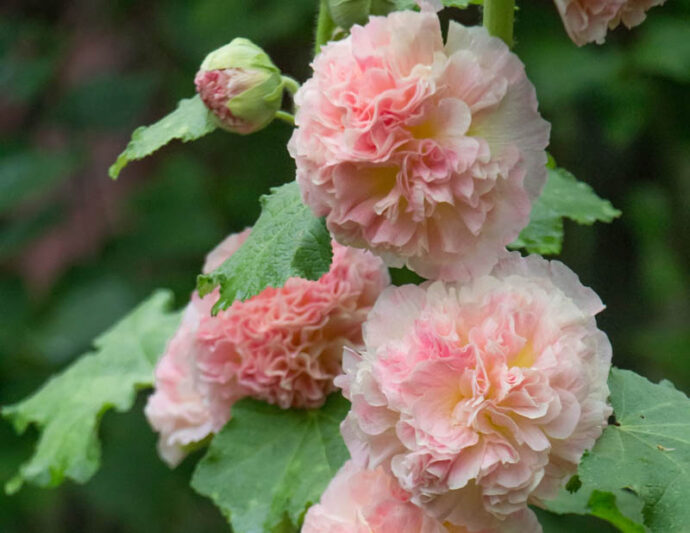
77 251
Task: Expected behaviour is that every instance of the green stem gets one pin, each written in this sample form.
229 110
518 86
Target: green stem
290 84
499 16
285 117
324 26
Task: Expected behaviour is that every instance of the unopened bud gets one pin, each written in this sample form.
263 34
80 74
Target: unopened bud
241 86
345 13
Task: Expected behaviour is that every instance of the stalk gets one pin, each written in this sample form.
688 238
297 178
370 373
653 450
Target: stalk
498 18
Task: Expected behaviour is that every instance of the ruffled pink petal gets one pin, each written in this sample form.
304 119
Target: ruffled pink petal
480 396
283 346
588 21
429 155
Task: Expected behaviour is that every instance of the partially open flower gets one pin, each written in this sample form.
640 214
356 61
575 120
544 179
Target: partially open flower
241 86
372 501
587 21
283 346
480 397
427 154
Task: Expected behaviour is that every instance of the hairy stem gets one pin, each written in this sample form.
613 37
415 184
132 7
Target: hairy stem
324 26
499 16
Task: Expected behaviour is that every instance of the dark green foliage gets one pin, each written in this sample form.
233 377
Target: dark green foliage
26 175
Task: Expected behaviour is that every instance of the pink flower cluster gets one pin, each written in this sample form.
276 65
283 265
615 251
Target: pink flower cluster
283 346
587 21
480 398
428 154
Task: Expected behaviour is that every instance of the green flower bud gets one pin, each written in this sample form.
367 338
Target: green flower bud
345 13
241 86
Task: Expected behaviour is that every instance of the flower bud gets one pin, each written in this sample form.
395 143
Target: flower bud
345 13
240 84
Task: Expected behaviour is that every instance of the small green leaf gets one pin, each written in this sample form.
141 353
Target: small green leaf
644 455
563 197
268 465
191 120
286 241
68 408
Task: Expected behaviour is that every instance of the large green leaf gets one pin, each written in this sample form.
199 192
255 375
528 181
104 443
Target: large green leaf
287 241
68 408
268 465
188 122
563 197
644 453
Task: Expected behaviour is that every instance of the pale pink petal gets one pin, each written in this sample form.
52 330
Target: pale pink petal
367 501
429 155
588 21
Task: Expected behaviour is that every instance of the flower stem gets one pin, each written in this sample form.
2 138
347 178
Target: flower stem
286 117
290 84
499 16
324 26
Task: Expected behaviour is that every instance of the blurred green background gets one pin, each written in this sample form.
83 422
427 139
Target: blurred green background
77 250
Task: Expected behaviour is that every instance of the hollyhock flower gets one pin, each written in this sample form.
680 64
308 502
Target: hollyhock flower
283 346
372 501
480 397
587 21
427 154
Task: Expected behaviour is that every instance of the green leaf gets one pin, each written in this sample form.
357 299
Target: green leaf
286 241
191 120
68 408
268 465
644 452
563 197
